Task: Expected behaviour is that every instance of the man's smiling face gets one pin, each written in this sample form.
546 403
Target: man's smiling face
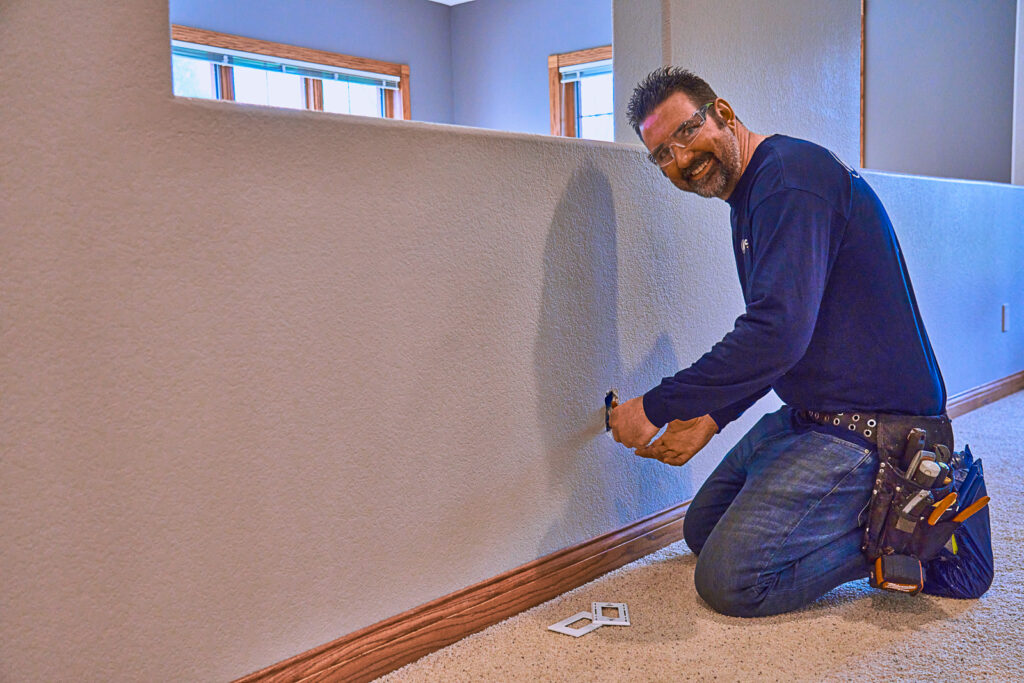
710 164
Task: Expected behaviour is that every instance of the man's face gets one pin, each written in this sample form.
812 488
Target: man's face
710 164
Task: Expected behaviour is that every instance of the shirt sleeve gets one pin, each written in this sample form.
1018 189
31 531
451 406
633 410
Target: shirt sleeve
724 416
793 247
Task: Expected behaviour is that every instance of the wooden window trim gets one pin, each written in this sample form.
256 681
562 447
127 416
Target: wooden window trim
267 48
314 89
563 97
555 89
225 80
569 96
403 87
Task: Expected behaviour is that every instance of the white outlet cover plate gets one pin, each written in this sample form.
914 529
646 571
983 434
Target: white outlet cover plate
563 625
597 609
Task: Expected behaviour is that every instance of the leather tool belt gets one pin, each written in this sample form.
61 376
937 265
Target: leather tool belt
860 423
913 513
888 432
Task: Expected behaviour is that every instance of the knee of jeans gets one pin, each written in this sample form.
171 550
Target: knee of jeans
727 592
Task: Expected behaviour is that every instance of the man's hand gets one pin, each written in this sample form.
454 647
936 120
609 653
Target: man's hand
630 425
681 441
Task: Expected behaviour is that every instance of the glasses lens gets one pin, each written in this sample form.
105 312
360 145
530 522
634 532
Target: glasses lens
686 134
689 130
683 136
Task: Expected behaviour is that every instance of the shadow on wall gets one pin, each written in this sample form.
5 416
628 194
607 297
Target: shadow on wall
577 360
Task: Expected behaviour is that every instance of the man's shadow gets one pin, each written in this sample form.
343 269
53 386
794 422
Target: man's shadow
601 484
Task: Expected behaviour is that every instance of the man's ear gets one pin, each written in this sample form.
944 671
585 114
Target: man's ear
725 112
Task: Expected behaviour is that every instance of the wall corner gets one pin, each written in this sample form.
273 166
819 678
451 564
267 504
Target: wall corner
1017 139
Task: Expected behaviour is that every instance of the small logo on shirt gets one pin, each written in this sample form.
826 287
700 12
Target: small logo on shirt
743 245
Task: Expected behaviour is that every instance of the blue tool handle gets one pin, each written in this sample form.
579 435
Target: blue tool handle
611 399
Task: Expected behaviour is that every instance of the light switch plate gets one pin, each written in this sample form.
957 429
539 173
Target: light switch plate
597 609
563 625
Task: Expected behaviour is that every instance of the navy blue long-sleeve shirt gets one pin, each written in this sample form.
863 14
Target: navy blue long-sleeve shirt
831 322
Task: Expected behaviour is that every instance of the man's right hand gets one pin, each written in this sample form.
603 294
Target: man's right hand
681 441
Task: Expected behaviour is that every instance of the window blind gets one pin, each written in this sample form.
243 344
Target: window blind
250 60
571 74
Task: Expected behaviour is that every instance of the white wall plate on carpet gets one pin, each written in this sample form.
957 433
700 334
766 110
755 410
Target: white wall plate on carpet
597 609
563 625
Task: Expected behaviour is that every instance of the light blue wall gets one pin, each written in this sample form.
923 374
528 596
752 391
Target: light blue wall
939 87
1017 176
963 246
413 32
500 54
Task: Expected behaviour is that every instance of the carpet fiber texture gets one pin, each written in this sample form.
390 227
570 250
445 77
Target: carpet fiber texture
852 633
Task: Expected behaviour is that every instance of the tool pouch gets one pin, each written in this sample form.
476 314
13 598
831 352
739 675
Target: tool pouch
899 509
898 517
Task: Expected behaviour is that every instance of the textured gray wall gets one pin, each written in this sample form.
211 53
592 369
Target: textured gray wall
939 87
641 28
270 376
789 67
413 32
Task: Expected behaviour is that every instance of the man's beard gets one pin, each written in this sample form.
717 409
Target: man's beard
722 174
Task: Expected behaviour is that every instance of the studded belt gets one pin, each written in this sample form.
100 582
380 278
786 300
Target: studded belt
864 425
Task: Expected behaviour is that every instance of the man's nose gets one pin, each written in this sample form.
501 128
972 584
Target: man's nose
680 154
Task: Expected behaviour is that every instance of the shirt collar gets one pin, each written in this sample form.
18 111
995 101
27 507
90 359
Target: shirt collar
739 192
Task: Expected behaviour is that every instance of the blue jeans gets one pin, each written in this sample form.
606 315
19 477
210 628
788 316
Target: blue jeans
778 523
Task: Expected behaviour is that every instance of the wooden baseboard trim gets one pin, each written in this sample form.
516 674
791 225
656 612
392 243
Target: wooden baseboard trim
391 644
972 399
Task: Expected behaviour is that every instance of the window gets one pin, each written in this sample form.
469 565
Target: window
221 66
581 93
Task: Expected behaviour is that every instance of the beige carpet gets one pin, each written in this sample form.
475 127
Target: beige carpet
854 633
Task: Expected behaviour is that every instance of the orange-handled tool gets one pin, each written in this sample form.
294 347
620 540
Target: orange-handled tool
941 507
971 509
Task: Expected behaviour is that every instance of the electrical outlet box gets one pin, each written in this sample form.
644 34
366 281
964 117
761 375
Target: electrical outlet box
1006 317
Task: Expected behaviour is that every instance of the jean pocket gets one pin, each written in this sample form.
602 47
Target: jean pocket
841 442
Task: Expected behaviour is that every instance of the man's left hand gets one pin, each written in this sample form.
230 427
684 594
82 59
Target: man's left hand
630 425
681 440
